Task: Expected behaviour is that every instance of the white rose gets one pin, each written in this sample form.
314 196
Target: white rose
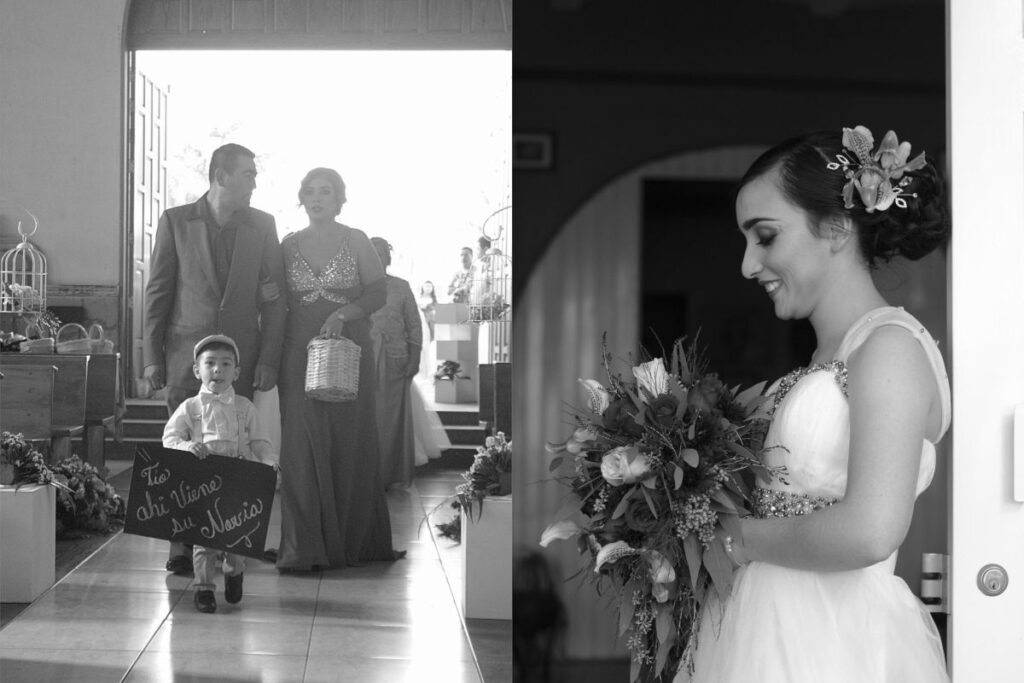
624 465
662 574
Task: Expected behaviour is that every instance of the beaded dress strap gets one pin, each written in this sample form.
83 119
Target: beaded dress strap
775 503
782 387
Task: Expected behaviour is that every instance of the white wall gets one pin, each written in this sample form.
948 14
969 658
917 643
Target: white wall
60 132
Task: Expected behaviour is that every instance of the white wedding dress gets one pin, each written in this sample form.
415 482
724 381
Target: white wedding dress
785 625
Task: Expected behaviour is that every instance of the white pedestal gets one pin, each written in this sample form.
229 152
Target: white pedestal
487 561
458 390
27 541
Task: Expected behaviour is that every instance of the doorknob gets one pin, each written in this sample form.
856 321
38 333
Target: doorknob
992 580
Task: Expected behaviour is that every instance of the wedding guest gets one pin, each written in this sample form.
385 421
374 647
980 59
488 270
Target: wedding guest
462 280
428 354
397 340
814 597
427 302
216 421
481 281
333 509
216 268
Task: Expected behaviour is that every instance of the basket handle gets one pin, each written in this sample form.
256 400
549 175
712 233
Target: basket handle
84 333
96 332
327 337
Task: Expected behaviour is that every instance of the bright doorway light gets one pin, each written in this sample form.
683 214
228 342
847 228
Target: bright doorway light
422 139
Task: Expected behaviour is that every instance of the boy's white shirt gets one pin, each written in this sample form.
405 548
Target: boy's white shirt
226 423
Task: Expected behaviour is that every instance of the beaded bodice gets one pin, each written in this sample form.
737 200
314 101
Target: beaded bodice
341 273
810 429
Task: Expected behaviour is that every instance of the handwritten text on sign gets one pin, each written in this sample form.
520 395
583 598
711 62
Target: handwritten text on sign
218 502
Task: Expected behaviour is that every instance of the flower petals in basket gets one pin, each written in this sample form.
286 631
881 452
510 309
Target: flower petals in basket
332 369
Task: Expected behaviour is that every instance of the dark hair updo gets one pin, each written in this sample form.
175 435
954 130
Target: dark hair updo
806 181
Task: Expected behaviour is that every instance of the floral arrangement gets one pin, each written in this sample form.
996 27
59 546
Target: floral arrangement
489 475
84 500
22 465
87 502
448 370
874 171
662 467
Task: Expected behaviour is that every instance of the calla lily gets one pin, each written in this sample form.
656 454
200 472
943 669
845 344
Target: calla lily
555 447
598 396
652 378
612 552
559 531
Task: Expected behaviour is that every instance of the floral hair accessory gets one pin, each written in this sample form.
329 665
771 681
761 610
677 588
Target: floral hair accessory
873 172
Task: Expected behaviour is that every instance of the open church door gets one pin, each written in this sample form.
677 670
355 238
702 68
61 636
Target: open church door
148 183
986 142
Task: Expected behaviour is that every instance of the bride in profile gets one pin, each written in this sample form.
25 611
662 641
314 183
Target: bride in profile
815 599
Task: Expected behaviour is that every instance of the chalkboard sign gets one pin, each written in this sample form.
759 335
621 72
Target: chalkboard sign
217 502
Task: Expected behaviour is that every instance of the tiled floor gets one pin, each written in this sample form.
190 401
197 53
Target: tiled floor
120 617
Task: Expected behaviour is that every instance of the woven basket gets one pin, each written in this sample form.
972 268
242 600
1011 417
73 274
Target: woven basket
98 342
44 345
332 369
81 344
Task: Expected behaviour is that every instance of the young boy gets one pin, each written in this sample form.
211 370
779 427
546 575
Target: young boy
217 421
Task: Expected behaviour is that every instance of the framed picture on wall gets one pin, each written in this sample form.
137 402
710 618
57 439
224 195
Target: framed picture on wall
533 151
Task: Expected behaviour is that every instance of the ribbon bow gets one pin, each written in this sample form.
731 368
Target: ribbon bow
226 397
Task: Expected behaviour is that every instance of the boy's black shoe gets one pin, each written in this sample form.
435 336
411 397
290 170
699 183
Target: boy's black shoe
205 602
233 588
179 564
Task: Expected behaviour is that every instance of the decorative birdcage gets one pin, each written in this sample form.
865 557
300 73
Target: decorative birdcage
490 294
23 275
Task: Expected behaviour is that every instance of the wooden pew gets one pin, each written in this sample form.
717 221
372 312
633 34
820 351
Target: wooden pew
102 395
69 394
26 400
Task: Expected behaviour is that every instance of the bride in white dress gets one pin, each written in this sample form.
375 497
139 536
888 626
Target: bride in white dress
815 599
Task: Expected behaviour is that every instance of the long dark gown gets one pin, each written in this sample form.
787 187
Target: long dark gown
333 509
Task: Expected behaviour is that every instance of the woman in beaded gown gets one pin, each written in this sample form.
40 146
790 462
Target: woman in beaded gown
814 597
333 509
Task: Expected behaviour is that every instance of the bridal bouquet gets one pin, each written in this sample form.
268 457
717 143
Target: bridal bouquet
662 466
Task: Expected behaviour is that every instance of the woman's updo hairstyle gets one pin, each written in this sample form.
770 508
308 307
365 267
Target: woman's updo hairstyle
808 182
332 177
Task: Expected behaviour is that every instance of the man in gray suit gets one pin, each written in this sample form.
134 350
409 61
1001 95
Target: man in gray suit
216 268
